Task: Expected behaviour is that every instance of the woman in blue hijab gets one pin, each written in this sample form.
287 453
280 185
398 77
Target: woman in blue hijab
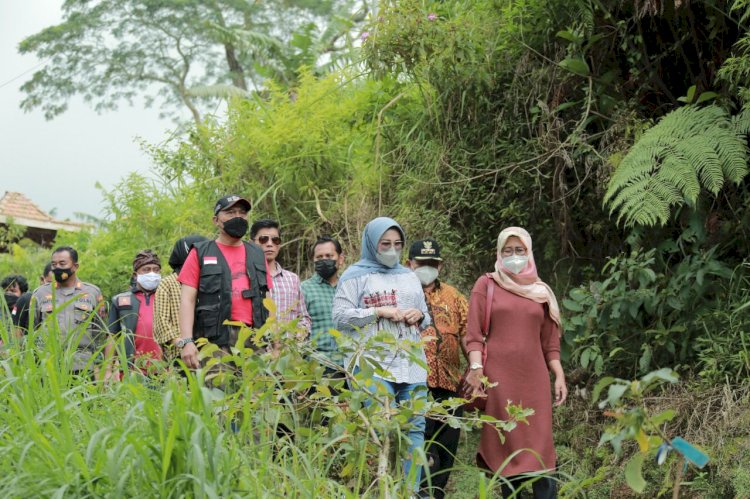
378 295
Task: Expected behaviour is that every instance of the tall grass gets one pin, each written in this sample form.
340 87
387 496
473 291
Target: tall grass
174 436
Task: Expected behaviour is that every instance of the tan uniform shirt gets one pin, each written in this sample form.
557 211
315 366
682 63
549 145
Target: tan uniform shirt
73 307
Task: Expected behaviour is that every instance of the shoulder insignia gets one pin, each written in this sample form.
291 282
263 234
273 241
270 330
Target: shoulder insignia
123 301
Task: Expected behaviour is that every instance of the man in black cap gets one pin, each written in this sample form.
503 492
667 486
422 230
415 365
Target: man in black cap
448 309
225 279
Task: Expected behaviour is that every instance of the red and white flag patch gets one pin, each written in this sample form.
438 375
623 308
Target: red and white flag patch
210 260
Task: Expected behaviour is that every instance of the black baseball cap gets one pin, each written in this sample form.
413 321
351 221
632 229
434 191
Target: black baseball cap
229 201
425 249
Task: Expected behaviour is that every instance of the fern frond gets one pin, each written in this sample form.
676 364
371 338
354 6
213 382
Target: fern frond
688 149
741 121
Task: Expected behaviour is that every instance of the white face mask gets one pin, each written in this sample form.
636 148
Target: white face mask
389 258
515 263
149 281
427 274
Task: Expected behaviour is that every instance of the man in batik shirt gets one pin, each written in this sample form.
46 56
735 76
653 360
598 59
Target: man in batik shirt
448 309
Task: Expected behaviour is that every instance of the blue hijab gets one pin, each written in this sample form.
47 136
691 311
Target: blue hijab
368 263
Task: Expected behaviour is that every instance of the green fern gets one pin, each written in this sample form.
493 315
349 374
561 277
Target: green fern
688 149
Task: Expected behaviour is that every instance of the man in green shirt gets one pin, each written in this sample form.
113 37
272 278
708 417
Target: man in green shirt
318 292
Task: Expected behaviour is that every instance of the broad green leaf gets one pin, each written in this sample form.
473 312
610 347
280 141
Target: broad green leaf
577 66
572 305
633 475
601 385
663 417
570 36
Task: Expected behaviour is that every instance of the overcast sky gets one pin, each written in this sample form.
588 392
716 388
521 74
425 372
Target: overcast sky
57 163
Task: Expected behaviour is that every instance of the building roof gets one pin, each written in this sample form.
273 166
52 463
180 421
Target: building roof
20 210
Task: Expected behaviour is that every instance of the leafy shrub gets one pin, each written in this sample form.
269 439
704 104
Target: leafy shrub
644 313
723 347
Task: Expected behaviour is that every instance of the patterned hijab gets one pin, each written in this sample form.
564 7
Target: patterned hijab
526 283
368 263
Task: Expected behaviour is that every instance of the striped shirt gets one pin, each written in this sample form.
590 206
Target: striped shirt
354 314
319 295
287 296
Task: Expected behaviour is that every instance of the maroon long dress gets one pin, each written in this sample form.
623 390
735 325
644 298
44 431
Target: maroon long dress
521 341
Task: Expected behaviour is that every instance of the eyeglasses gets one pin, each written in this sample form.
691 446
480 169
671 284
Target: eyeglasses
264 239
388 244
518 250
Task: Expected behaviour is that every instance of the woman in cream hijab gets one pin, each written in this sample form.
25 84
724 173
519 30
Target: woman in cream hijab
522 347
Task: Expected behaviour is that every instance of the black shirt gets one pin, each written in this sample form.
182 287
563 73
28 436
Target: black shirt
21 312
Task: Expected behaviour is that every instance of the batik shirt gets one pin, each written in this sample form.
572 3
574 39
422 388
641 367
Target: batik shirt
448 309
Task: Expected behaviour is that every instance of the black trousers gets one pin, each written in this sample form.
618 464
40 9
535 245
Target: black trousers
441 443
543 487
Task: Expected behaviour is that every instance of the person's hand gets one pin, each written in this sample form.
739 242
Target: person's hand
189 355
474 380
110 376
561 390
390 313
412 316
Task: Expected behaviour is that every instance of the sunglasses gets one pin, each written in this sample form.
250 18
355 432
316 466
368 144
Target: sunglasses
264 239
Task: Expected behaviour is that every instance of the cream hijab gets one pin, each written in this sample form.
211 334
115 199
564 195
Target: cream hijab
526 283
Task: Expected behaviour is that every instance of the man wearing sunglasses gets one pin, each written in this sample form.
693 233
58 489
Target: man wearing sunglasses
222 280
286 293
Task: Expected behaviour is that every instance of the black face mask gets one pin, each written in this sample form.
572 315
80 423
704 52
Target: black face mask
10 300
236 227
326 268
62 275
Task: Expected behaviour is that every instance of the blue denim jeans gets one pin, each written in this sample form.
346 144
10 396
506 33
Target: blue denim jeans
403 392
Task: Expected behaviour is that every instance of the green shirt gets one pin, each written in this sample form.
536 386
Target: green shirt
318 294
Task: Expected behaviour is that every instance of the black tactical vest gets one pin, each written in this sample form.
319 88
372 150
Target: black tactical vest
214 303
123 318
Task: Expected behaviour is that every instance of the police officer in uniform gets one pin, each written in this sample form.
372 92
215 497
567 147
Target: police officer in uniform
73 304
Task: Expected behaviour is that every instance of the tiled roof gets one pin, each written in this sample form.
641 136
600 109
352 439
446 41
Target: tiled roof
16 205
23 211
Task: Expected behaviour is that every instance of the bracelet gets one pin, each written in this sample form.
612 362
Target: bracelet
182 342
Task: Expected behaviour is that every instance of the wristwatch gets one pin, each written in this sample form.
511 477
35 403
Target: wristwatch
475 365
184 341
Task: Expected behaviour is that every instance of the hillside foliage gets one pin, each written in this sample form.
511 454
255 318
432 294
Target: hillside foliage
615 132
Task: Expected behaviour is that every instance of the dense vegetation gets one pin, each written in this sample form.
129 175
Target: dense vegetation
615 132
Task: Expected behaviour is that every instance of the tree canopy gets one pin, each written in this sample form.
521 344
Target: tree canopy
180 52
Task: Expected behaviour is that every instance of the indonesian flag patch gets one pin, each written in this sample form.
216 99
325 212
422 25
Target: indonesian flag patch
210 260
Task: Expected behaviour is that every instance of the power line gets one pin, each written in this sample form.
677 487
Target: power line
24 73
